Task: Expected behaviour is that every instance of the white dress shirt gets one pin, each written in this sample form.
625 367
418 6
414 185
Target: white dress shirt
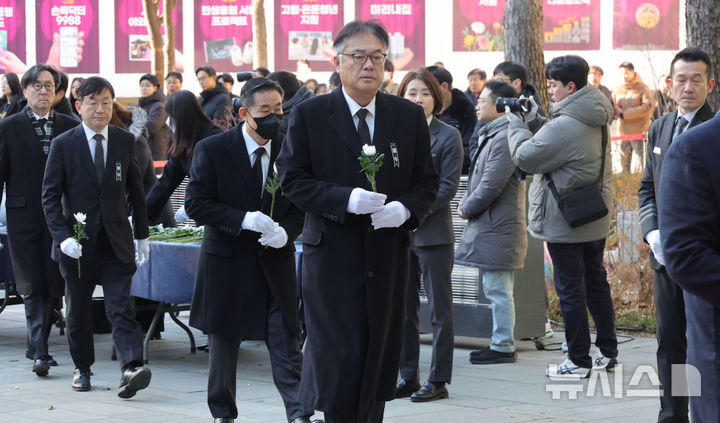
251 147
89 134
369 118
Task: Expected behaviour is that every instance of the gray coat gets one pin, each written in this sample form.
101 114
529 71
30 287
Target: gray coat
568 148
494 237
447 154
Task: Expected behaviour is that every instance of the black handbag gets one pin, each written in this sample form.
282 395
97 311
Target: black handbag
584 205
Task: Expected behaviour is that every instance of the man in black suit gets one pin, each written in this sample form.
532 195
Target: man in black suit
690 74
25 139
355 245
245 290
92 169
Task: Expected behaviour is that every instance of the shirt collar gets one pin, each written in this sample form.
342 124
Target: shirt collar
689 117
89 133
354 106
429 119
250 143
38 117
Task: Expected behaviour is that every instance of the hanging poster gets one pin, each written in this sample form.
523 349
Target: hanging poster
223 35
133 48
646 25
478 25
67 35
304 30
12 36
571 24
405 22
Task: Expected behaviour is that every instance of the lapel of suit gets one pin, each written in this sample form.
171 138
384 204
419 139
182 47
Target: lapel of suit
384 125
342 122
111 155
434 132
668 131
241 160
26 133
704 114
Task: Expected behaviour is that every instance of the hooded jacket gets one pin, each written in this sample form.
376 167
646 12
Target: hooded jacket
568 148
302 94
635 101
216 105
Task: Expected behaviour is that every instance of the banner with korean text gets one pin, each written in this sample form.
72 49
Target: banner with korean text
67 35
12 36
571 24
304 30
223 35
405 22
646 24
133 48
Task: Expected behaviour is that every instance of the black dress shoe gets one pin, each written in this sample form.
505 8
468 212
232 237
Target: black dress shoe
225 420
134 380
306 420
41 367
51 360
81 380
430 391
405 388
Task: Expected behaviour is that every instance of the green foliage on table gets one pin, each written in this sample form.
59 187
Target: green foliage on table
181 235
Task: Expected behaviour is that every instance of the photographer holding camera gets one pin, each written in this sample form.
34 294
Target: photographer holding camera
569 198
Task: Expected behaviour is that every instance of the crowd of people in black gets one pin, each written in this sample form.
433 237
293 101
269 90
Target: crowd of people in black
80 184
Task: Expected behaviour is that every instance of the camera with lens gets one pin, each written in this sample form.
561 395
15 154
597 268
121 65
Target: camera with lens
516 105
243 76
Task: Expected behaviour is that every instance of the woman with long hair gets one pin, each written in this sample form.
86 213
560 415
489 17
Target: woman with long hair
189 125
74 85
11 95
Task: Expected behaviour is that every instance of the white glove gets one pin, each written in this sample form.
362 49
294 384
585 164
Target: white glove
392 215
275 239
71 248
258 222
510 116
362 201
181 216
653 238
142 251
532 114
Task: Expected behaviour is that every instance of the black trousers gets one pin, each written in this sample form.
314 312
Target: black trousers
672 344
38 311
435 264
285 361
373 415
581 284
115 277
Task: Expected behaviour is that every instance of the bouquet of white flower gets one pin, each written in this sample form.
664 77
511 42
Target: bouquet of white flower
370 162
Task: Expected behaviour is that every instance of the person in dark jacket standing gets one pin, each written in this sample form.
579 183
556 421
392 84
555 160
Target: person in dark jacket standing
457 110
214 98
60 103
25 140
152 100
355 244
691 81
190 125
294 94
11 94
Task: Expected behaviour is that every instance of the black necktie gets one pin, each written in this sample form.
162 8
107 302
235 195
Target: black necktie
42 123
99 157
257 167
680 126
363 129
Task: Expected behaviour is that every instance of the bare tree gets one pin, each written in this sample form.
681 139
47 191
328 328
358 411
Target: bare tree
523 35
163 54
702 21
259 33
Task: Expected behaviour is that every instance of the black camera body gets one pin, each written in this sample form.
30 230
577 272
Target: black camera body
243 76
516 105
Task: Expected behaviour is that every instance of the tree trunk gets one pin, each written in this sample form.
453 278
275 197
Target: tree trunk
169 47
153 22
702 21
259 34
523 35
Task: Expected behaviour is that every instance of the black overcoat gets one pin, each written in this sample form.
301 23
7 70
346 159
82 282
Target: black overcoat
354 277
22 165
235 273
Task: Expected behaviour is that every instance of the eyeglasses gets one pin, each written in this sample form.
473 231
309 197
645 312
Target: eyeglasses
359 58
49 87
146 85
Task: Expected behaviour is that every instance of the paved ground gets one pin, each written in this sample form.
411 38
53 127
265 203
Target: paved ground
495 393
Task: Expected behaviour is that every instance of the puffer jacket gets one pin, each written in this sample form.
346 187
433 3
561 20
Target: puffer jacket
157 136
568 148
635 101
494 237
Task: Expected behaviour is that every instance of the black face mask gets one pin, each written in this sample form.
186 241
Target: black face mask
268 126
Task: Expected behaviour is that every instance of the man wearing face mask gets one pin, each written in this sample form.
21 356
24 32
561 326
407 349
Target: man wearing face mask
245 287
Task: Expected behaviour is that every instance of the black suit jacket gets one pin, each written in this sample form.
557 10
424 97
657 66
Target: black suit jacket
22 165
70 186
235 272
354 277
659 139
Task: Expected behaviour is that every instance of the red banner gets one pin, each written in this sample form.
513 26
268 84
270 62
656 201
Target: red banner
571 24
12 36
405 22
646 25
67 35
223 35
478 25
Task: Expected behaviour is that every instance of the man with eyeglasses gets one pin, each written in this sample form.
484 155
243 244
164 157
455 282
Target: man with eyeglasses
355 241
25 139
